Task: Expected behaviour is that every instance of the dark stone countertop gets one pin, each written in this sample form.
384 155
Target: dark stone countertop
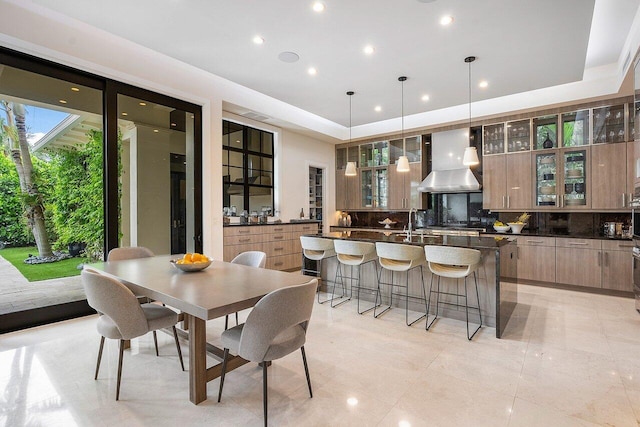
482 242
540 233
293 221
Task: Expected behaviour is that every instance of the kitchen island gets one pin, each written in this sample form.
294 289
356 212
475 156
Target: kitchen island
496 275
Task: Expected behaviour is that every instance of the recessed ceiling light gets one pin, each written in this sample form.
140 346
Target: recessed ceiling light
446 20
368 49
378 108
483 84
425 97
125 114
404 423
312 71
62 101
156 130
75 89
258 40
318 6
142 104
288 57
352 401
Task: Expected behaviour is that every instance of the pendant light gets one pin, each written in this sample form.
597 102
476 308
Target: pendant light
403 161
470 157
351 166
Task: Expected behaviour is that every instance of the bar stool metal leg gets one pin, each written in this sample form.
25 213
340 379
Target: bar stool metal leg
344 289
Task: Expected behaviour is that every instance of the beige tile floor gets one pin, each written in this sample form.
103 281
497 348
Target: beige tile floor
568 359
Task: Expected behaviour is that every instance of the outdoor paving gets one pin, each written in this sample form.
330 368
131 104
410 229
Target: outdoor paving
17 293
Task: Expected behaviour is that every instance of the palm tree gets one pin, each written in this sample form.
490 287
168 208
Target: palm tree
15 130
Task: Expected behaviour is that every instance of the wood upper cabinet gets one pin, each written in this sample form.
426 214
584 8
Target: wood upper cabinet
507 181
347 191
609 176
494 182
518 181
633 174
403 187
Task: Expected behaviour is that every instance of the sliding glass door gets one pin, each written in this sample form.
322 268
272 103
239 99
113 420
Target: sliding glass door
87 164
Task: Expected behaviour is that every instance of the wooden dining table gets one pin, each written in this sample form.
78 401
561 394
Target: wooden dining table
223 288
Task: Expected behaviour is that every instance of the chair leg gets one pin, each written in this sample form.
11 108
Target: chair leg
375 311
466 308
344 288
475 278
406 299
226 322
99 357
306 370
175 336
264 390
119 369
225 356
155 342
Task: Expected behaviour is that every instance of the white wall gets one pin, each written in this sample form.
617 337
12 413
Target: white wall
296 153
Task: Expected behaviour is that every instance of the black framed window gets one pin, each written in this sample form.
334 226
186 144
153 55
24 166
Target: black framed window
248 168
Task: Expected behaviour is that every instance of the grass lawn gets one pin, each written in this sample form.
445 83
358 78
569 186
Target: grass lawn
34 273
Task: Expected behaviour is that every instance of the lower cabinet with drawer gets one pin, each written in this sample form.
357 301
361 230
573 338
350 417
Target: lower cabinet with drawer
537 258
617 265
593 263
579 262
281 243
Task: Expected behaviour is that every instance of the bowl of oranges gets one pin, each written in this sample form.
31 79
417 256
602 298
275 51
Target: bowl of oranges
191 262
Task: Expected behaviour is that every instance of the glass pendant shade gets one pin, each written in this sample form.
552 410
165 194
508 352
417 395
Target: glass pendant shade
470 157
351 169
403 164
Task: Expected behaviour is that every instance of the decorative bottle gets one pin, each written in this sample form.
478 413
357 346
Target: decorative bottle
547 142
301 213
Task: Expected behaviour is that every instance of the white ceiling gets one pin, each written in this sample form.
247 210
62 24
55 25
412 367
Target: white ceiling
521 46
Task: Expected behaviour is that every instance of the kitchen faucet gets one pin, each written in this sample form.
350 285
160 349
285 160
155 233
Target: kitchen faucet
409 225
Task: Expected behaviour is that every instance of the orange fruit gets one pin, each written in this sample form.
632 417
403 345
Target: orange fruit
187 257
196 257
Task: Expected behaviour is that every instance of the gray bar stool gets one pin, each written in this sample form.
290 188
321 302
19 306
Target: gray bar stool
453 263
316 249
396 257
354 254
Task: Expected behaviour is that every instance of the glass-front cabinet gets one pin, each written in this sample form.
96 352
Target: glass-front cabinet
518 136
410 147
346 154
374 154
374 185
575 128
575 171
493 139
608 124
546 178
545 132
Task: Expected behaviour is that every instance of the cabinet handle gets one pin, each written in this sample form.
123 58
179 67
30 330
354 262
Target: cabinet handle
606 259
278 237
518 252
504 202
625 246
624 200
278 264
535 241
508 202
244 231
599 259
578 243
278 249
244 240
278 229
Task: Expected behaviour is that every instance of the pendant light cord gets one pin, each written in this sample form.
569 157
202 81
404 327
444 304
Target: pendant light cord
469 98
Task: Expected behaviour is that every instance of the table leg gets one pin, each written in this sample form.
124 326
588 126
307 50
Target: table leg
197 359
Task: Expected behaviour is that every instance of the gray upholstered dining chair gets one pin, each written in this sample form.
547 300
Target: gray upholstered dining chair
276 327
132 252
122 317
252 259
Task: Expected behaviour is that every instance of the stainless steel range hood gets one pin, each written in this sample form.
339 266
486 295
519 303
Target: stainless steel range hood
450 181
448 175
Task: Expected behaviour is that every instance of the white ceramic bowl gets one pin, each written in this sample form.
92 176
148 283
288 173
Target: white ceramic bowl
515 227
501 228
197 266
